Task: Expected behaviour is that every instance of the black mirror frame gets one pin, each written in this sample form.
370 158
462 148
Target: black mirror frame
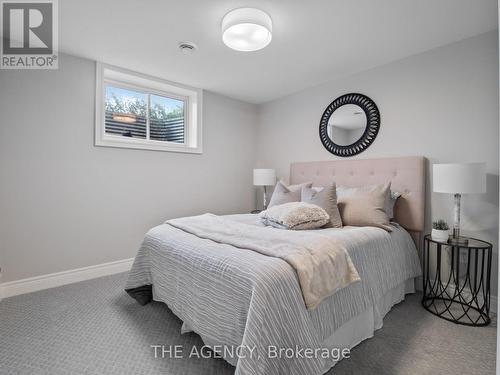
372 125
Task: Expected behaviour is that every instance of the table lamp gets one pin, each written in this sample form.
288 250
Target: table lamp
264 177
457 179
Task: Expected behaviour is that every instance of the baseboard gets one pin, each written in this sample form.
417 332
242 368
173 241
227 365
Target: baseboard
52 280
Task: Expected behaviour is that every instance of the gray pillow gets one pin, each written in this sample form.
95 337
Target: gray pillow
297 186
326 198
286 194
295 216
391 202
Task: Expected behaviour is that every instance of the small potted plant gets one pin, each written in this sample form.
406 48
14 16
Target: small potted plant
440 231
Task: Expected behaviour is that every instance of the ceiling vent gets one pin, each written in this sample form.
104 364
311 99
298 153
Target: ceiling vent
187 48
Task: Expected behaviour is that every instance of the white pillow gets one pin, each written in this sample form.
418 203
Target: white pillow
295 216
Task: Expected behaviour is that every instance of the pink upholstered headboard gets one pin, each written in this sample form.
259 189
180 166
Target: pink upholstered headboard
407 175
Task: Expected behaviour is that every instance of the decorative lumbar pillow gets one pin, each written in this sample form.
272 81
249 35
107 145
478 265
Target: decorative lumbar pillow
326 198
365 207
295 216
286 194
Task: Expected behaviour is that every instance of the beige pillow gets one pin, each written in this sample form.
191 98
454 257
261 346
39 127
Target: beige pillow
326 198
285 194
365 207
295 216
389 204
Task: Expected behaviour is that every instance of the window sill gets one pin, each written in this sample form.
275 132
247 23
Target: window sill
139 144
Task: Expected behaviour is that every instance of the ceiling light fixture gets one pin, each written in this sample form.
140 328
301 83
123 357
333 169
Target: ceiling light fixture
246 29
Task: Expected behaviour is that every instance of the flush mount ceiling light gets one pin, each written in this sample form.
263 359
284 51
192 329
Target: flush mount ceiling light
246 29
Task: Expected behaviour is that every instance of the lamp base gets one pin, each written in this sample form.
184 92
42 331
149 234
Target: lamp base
456 238
459 241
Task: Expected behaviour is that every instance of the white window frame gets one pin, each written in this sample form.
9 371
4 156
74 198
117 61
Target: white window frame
118 77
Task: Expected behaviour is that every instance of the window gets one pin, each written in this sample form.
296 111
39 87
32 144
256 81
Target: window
136 111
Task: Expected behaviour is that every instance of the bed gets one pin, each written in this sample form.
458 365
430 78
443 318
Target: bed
249 306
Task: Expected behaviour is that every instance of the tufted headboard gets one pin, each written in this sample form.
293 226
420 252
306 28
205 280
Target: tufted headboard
407 175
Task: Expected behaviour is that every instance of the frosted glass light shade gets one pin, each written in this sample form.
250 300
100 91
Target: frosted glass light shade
246 29
264 177
466 178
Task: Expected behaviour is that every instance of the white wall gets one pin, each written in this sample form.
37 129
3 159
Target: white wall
65 203
442 104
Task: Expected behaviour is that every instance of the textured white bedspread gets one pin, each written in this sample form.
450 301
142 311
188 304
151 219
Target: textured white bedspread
232 296
323 266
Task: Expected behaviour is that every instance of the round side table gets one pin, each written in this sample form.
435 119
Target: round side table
459 291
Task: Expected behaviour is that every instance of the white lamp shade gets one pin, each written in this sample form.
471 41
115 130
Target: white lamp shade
459 178
264 177
246 29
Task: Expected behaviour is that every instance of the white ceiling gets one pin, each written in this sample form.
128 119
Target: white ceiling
313 41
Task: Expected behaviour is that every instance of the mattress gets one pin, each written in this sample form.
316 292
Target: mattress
235 297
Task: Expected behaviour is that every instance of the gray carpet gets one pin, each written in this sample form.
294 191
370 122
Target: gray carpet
93 327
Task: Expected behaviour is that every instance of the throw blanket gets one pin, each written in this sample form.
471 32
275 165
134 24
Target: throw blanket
323 266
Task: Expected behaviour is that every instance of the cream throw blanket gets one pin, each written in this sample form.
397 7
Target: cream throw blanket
323 266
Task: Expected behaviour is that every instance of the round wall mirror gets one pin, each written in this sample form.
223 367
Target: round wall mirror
349 124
